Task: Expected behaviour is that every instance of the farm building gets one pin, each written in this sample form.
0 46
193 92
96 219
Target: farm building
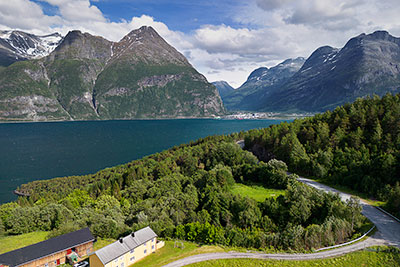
52 252
126 250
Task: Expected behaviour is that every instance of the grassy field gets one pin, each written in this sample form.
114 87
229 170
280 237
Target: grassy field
370 257
12 242
169 253
101 242
256 192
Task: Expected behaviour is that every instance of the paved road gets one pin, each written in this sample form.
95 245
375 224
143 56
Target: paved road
388 228
388 234
235 255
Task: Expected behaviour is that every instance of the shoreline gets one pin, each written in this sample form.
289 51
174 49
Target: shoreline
157 119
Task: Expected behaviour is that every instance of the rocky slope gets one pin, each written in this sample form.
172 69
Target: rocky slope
261 83
89 77
224 88
18 45
366 65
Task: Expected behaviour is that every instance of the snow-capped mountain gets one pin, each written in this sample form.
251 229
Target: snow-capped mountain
18 45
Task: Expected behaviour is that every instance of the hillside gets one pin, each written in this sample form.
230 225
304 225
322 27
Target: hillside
88 77
18 46
356 145
224 88
260 84
190 192
366 65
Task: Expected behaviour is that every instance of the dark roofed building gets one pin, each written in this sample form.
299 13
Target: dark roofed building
51 252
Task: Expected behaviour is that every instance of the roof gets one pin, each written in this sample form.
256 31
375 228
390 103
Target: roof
116 249
47 247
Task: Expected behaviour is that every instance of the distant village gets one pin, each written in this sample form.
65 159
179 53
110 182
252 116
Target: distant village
265 116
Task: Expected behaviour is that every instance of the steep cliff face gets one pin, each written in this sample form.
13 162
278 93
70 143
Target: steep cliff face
89 77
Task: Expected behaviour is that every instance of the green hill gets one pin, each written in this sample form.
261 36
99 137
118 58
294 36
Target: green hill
88 77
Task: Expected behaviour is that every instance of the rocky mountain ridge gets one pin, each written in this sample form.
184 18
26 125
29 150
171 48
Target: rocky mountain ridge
18 45
224 88
88 77
260 84
368 64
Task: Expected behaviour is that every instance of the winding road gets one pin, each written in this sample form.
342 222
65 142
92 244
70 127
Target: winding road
388 233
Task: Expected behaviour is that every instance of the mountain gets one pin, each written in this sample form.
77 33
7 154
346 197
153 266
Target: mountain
260 84
366 65
88 77
224 88
18 45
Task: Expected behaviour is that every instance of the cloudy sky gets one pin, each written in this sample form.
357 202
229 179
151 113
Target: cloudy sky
223 39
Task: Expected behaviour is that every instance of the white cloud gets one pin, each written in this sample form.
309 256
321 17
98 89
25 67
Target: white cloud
271 31
24 14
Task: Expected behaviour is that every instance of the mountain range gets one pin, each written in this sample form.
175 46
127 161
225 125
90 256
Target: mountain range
366 65
261 83
17 45
87 77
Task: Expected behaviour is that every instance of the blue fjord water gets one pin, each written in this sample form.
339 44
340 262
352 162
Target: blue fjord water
32 151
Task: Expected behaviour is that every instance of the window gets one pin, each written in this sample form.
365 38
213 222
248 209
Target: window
145 251
152 247
122 264
145 244
132 251
121 258
152 240
132 259
116 260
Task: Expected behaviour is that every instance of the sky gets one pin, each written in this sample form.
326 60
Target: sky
222 39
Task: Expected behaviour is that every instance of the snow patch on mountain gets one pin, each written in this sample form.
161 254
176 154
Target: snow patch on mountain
29 46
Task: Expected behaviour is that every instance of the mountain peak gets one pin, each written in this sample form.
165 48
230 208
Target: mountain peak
223 87
145 44
144 32
19 45
72 36
83 45
376 36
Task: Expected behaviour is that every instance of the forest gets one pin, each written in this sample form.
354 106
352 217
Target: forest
356 145
186 192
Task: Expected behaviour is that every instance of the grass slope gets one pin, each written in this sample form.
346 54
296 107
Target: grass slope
256 192
9 243
379 256
169 253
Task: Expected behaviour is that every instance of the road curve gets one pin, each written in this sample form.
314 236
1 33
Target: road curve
388 233
388 228
279 256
